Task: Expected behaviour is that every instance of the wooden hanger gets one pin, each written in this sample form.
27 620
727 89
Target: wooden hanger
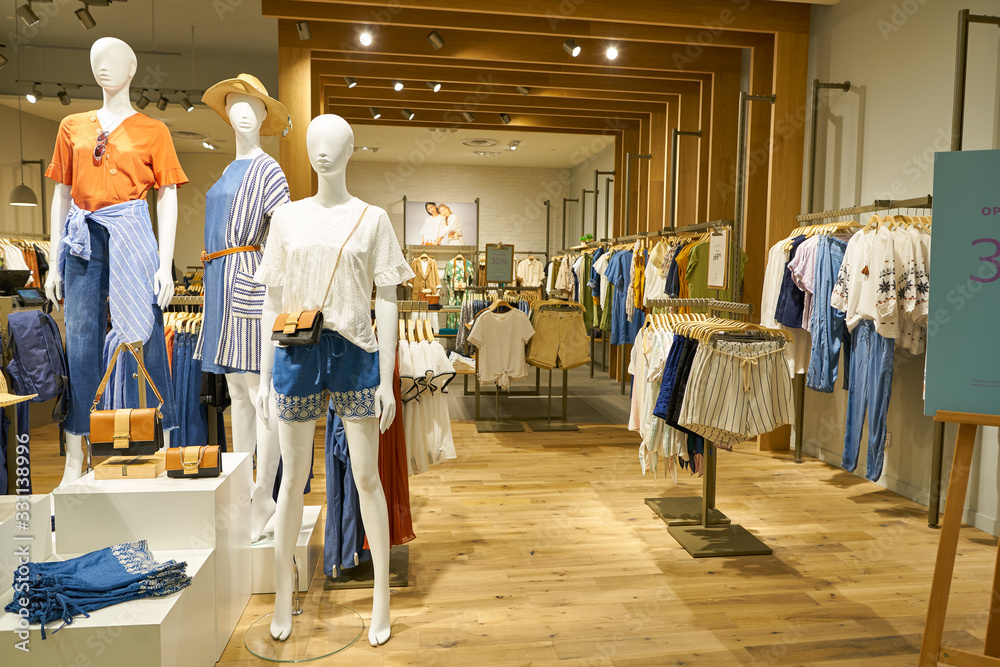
402 330
428 331
411 334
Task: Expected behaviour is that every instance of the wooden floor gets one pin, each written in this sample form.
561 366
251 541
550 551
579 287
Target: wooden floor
537 549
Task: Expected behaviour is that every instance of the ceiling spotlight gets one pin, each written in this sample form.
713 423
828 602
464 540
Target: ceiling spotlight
523 90
63 97
376 114
85 17
365 38
468 116
505 118
407 114
34 94
208 144
611 53
161 103
434 85
27 14
435 39
397 85
571 47
513 144
143 101
350 82
186 103
304 32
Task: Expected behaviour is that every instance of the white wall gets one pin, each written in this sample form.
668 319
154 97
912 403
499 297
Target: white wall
583 178
39 142
878 141
511 199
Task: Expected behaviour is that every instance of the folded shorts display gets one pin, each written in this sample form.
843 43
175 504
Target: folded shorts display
560 340
305 375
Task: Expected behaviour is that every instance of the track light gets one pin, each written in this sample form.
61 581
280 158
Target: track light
611 53
435 39
304 32
468 116
376 114
434 85
27 14
143 101
505 118
208 144
161 103
397 85
34 94
365 38
571 47
63 97
350 82
523 90
186 103
86 18
407 114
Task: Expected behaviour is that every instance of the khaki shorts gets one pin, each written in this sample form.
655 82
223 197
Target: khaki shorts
560 340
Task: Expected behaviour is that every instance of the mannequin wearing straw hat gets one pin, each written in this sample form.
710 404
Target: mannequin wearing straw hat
238 211
309 240
104 164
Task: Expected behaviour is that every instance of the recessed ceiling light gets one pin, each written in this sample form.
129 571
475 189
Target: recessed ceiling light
376 114
435 39
485 153
208 144
369 149
612 52
480 143
571 47
350 82
365 37
397 85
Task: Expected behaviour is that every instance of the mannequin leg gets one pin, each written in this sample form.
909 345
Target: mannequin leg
296 442
74 460
248 430
362 441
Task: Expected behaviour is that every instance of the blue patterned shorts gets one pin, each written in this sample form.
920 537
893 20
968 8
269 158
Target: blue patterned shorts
305 374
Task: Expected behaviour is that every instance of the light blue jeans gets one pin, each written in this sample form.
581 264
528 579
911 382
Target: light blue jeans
870 388
827 323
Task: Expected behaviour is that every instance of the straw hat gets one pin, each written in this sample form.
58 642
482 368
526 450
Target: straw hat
7 398
277 121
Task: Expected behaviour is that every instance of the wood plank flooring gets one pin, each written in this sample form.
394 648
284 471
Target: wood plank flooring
537 549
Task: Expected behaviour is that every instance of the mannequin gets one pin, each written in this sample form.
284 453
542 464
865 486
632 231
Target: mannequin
237 218
330 143
113 64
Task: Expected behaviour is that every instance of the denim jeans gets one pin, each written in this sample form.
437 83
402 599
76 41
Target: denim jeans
827 323
869 389
85 284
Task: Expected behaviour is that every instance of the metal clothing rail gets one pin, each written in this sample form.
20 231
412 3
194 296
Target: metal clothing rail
25 236
196 300
710 304
878 205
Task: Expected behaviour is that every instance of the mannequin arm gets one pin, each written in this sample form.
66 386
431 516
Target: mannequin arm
272 306
166 221
60 208
386 317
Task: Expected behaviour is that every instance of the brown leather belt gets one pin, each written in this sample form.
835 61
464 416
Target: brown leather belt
209 256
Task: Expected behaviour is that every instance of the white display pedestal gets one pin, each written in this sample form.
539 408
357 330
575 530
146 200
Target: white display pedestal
308 552
154 632
36 540
170 514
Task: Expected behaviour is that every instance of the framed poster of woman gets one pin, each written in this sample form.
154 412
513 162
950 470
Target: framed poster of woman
441 223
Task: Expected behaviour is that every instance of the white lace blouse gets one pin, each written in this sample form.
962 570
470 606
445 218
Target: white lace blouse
301 253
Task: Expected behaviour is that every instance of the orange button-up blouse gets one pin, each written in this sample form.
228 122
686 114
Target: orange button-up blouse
139 155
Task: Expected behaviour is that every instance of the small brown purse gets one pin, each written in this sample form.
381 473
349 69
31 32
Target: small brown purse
129 431
305 326
194 461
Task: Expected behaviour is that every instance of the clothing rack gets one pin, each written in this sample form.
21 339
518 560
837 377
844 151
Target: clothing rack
937 450
25 236
694 521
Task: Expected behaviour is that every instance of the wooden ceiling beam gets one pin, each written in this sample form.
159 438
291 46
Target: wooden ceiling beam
492 121
510 47
453 112
744 15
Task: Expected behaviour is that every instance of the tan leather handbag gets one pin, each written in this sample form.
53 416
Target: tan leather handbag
129 431
194 461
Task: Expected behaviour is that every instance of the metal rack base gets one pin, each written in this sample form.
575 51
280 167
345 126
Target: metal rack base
499 427
685 511
714 541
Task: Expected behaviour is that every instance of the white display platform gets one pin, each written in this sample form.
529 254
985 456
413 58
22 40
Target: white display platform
308 552
155 632
170 514
36 540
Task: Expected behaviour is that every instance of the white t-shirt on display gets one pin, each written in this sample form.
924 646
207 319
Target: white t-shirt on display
301 252
500 338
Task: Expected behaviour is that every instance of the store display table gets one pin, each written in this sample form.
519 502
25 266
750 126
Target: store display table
25 532
308 552
172 514
155 632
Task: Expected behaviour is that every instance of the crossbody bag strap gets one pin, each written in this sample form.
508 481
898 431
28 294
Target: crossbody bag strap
142 369
326 294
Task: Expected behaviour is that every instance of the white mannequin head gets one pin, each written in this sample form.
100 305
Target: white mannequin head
330 143
246 113
113 63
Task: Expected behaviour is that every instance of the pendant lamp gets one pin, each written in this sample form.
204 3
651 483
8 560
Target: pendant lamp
21 195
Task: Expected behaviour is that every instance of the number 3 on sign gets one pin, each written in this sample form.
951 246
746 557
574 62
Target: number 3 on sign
992 259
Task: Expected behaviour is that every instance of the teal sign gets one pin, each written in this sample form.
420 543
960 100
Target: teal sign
963 323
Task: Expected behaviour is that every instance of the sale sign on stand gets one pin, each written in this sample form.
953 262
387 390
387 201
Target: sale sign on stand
963 320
